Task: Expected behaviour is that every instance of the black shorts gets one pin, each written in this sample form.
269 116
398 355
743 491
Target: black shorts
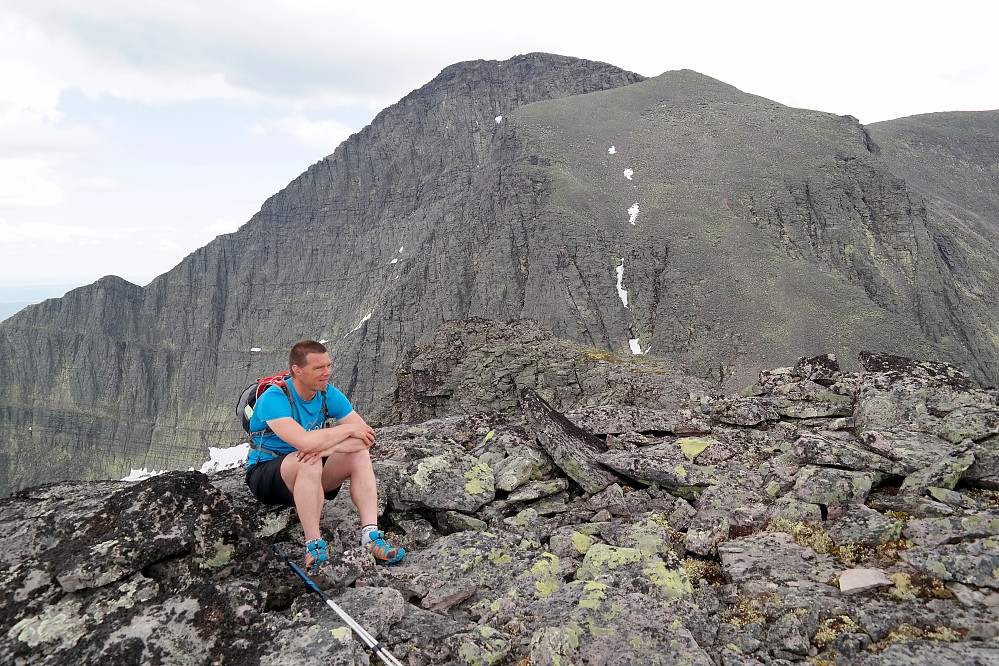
266 484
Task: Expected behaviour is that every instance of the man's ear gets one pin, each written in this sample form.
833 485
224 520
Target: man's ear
296 370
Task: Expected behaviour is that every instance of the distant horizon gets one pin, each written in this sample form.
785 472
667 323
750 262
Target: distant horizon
16 298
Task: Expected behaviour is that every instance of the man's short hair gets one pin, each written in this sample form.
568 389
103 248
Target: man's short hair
300 351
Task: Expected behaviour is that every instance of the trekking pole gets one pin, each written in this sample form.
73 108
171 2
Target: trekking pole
367 638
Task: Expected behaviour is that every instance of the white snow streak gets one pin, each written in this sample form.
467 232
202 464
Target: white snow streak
612 150
499 119
254 349
361 323
633 213
636 346
628 173
620 288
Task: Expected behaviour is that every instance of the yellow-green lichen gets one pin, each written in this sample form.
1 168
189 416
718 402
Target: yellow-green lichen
480 480
672 583
694 446
497 556
806 533
581 542
918 585
832 628
60 624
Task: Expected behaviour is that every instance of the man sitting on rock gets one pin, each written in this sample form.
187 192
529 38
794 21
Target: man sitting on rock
299 460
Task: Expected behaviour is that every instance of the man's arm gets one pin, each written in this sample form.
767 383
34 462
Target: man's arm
349 435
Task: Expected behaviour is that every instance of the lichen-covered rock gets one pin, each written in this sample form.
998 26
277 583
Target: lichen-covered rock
592 623
866 526
816 449
572 449
974 423
939 531
912 450
734 545
830 486
445 482
944 473
706 531
747 411
974 562
663 466
984 473
773 557
512 472
933 653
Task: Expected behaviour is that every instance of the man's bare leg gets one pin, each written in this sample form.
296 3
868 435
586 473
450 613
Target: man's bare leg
363 487
305 481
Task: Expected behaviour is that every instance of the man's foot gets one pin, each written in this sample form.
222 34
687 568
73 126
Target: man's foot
383 553
315 554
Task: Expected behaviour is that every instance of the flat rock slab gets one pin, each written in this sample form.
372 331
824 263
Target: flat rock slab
773 557
853 581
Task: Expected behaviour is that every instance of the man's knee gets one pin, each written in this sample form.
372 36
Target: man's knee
294 469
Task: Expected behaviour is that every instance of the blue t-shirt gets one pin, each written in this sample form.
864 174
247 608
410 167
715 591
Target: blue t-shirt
273 404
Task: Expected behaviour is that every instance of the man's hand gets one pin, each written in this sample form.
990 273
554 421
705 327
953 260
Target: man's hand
356 437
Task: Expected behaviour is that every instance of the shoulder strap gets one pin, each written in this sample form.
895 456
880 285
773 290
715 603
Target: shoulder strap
326 413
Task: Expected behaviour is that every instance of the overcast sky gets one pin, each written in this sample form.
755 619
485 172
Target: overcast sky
134 131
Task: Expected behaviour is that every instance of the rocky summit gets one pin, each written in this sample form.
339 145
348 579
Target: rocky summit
599 509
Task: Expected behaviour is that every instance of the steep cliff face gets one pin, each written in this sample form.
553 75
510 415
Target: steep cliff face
676 215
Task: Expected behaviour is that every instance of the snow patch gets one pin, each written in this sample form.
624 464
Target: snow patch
140 474
254 349
361 323
633 213
628 173
620 288
323 341
499 119
636 346
220 459
612 150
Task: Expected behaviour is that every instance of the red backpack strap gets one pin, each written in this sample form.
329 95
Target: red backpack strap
279 380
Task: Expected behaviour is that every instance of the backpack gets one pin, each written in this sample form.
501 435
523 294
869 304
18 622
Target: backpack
248 398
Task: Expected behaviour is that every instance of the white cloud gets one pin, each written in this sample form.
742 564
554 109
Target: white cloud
219 227
18 238
28 182
322 134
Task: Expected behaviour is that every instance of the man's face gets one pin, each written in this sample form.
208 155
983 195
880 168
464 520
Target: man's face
315 374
